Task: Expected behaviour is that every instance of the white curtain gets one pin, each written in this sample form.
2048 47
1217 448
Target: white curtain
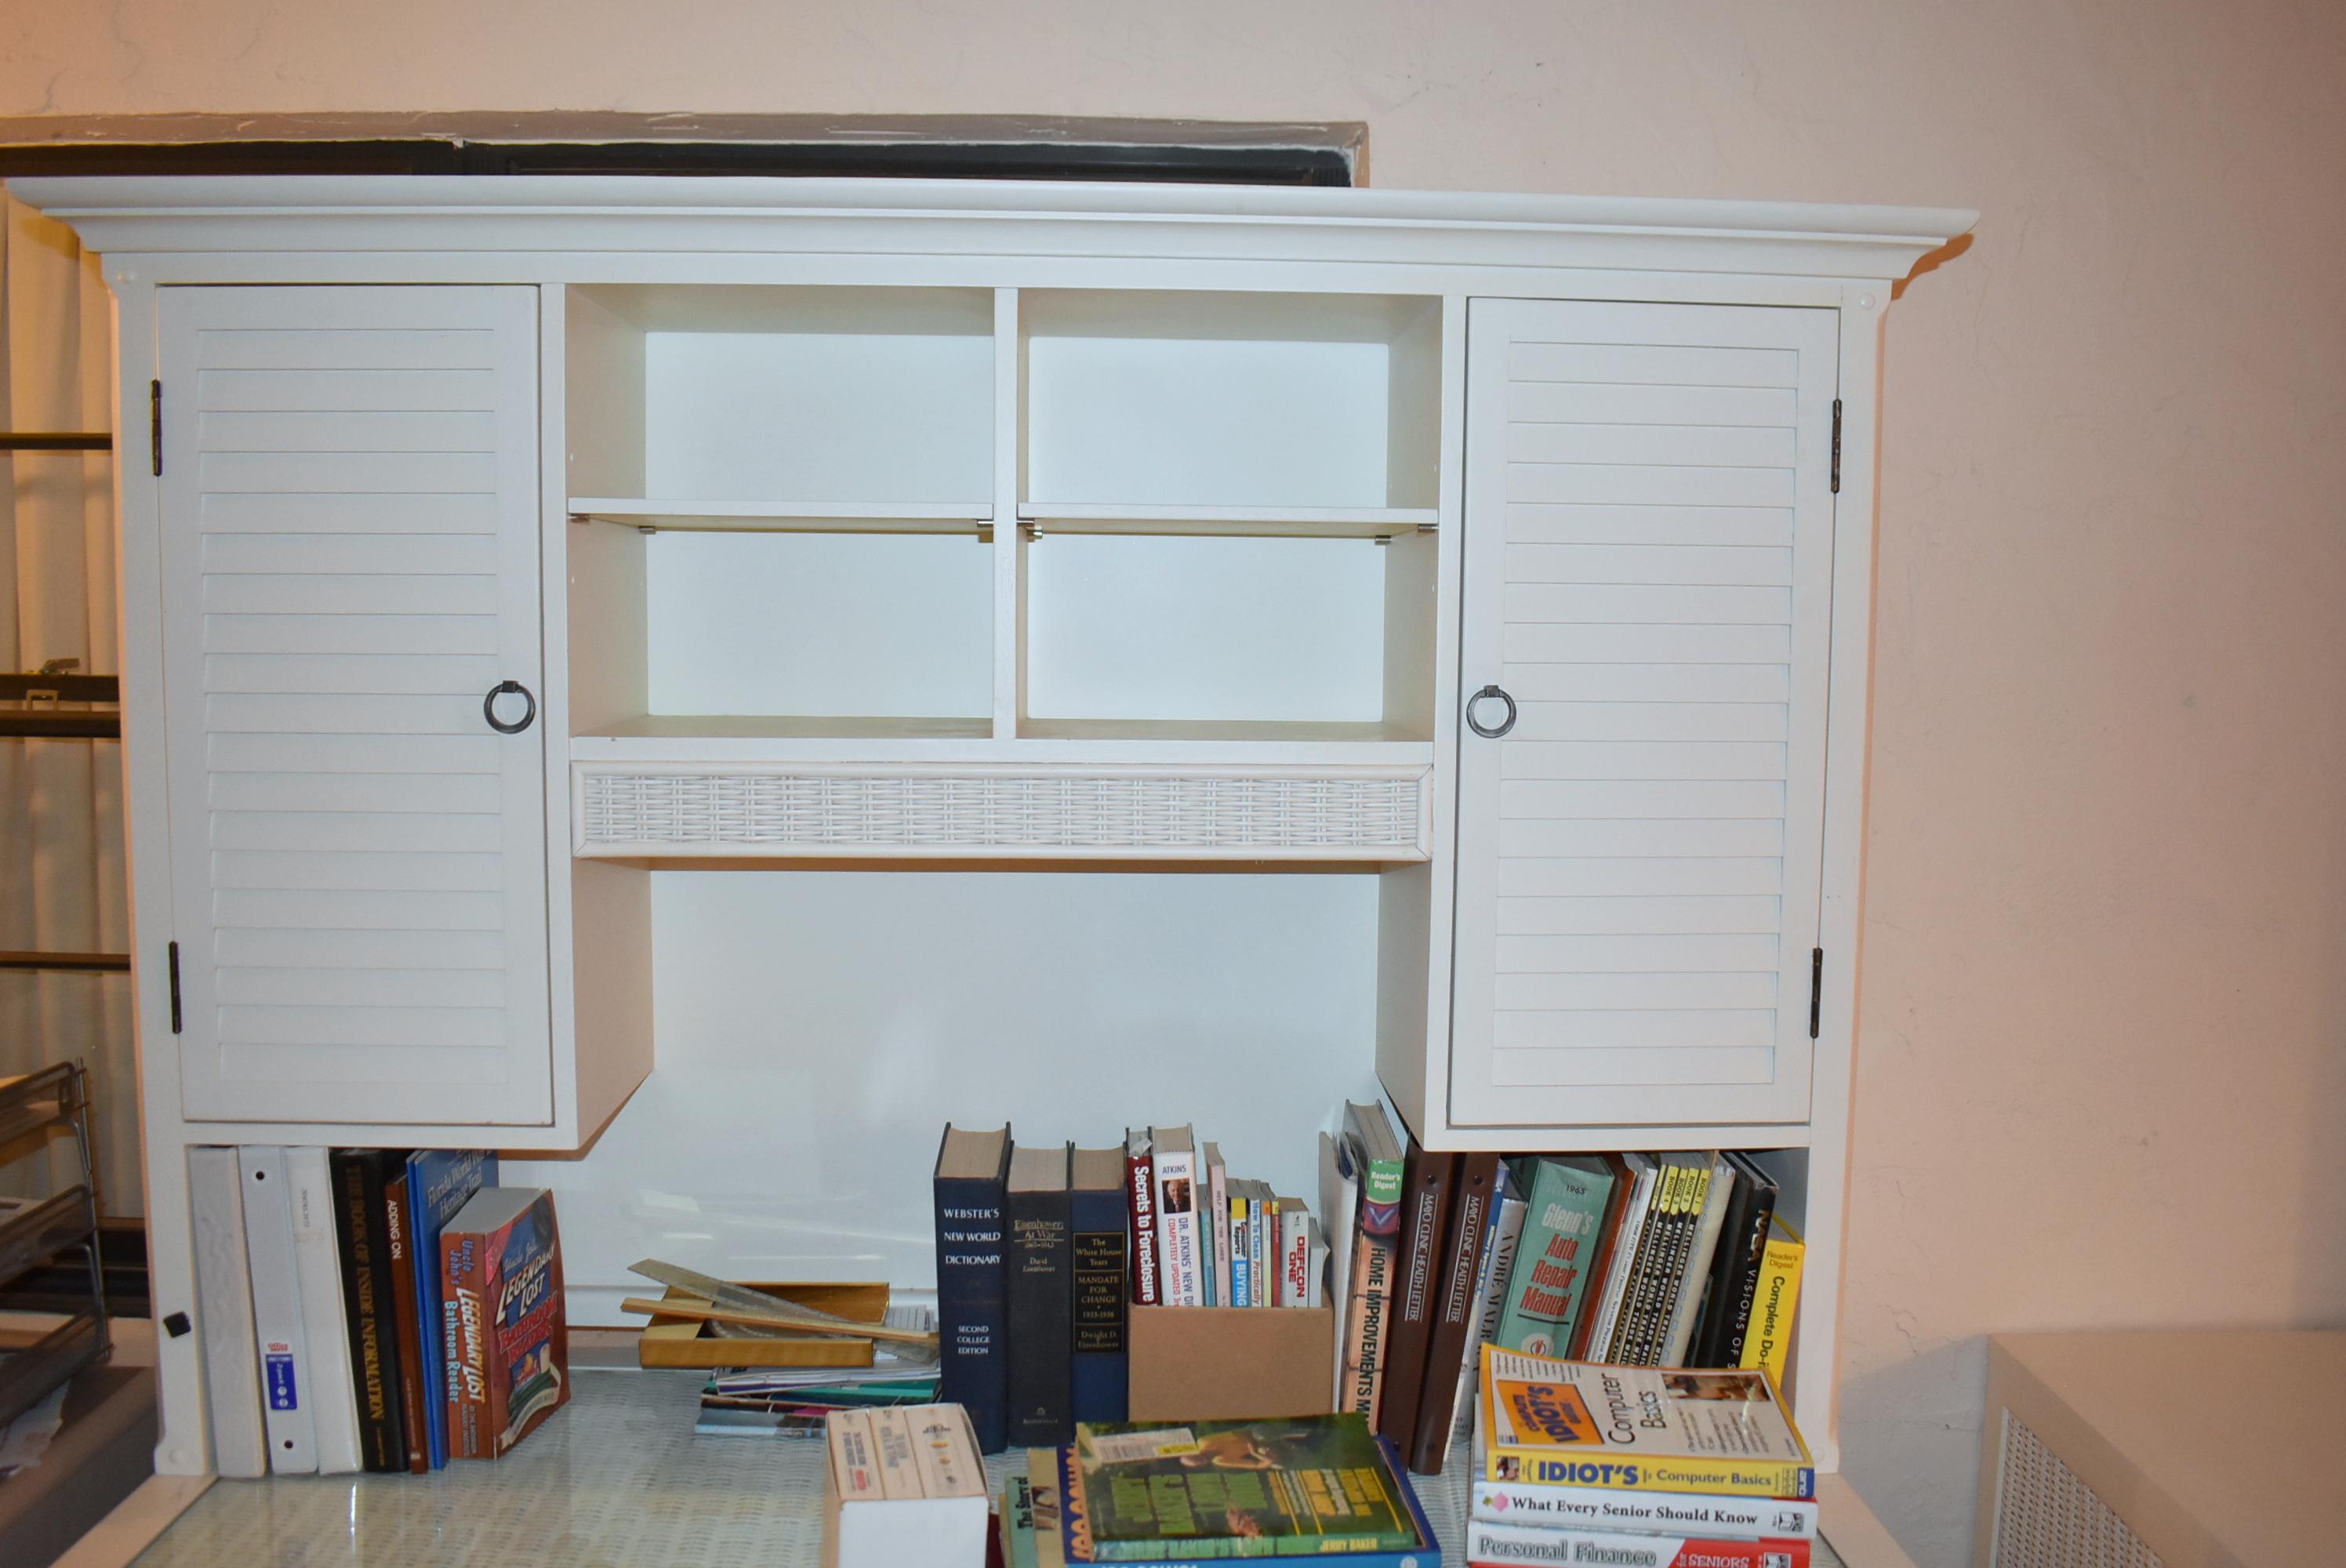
63 880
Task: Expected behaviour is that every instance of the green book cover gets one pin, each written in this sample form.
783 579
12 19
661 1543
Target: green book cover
1016 1523
1547 1289
1305 1486
1379 1152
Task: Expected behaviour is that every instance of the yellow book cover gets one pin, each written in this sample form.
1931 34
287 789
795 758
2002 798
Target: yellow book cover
1643 1428
1767 1338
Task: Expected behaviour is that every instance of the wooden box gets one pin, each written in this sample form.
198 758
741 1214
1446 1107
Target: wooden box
1232 1363
681 1342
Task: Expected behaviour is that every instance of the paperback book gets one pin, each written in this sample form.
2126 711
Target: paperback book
508 1347
1316 1486
1492 1545
1579 1423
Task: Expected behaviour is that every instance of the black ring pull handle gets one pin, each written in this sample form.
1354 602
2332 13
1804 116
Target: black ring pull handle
1476 724
529 715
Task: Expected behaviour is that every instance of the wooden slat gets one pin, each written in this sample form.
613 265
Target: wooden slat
1663 683
1651 721
1582 1069
363 872
263 595
1625 644
1619 483
1607 603
355 1025
246 753
1586 954
473 793
344 715
432 391
297 634
1619 876
379 832
1713 445
379 911
362 554
345 348
395 675
1587 837
262 947
1657 759
1690 563
316 513
1636 1029
1610 990
404 430
379 473
1642 797
315 986
1587 523
1751 916
1594 403
1653 364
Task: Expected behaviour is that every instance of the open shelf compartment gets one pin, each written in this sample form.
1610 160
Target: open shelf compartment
1150 410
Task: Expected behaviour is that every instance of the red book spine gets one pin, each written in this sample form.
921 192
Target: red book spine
1140 1208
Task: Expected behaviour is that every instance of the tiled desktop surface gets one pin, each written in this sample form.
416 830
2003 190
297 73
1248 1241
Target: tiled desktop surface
616 1480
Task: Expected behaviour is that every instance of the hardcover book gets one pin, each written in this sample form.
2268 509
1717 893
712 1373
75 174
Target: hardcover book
1564 1213
1499 1251
1417 1285
1096 1211
1303 1486
407 1331
1040 1295
1140 1200
1583 1424
508 1343
1465 1235
362 1232
1684 1312
1374 1152
971 1171
439 1182
1738 1278
1595 1343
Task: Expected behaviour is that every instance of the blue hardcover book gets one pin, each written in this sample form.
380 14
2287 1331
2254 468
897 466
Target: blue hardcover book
972 1185
1102 1291
439 1182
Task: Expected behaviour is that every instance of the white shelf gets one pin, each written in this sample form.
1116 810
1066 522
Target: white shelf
788 517
1060 743
1256 522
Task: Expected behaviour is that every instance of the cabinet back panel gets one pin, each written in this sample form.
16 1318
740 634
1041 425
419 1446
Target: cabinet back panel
816 1032
1198 422
819 624
1233 629
790 416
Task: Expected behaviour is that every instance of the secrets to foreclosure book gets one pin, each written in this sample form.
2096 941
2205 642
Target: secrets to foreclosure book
1582 1423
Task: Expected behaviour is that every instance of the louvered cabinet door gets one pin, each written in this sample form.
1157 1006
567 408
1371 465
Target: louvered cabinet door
1647 578
349 542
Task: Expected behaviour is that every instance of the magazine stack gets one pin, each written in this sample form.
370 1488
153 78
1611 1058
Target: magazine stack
1635 1467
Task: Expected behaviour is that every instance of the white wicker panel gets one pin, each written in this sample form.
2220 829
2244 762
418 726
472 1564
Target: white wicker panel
1269 813
2047 1518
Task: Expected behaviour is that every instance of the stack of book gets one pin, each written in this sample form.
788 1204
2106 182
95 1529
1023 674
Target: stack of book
1042 1251
1323 1489
792 1401
373 1308
1578 1462
1645 1260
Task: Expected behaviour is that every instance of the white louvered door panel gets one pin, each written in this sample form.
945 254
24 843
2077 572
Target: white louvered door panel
1648 575
350 566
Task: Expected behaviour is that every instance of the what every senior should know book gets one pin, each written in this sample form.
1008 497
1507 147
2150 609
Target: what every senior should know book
1582 1423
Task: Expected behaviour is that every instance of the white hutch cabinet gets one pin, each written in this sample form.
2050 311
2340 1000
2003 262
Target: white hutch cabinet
506 544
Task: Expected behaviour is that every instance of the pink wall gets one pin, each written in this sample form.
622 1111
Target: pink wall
2103 1071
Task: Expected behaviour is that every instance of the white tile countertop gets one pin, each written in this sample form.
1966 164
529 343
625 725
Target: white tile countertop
618 1479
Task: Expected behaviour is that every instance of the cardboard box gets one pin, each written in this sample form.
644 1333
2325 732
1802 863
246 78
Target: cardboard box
1232 1363
684 1342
